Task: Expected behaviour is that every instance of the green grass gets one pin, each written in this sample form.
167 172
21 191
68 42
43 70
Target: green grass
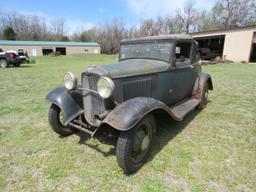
214 150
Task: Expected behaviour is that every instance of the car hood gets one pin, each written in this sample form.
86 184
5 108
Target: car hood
133 67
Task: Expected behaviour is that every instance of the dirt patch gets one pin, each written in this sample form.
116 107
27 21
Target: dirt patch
217 186
1 129
172 181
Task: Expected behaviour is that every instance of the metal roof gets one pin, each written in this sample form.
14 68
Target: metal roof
161 37
249 27
47 43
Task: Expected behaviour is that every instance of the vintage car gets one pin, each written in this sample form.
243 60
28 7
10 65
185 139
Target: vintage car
159 74
13 58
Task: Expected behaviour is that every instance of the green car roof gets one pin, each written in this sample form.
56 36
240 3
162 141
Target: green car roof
47 43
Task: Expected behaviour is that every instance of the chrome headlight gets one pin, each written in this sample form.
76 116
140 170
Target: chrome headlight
105 87
70 80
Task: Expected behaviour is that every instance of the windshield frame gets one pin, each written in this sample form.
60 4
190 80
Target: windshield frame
157 41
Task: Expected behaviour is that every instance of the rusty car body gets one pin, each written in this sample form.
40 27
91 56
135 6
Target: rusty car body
154 74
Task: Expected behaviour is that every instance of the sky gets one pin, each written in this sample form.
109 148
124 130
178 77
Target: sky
83 14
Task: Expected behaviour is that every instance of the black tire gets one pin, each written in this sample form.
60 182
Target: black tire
55 122
126 144
3 63
204 97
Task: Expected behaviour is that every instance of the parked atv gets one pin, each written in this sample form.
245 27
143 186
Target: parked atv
13 58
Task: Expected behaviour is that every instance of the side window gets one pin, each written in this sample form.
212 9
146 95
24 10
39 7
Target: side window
183 51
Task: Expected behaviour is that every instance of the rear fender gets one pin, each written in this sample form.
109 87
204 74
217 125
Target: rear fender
126 115
69 102
201 81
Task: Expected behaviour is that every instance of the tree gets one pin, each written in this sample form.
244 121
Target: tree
188 16
58 27
64 38
234 13
9 33
87 36
206 21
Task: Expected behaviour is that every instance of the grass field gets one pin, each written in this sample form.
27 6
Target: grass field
214 150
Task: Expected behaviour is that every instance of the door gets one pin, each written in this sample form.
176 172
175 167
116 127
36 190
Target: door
184 75
34 52
61 50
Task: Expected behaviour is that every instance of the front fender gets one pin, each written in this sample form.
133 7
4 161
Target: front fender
69 102
126 115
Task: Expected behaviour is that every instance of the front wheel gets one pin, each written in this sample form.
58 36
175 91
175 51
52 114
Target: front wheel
3 63
55 118
133 146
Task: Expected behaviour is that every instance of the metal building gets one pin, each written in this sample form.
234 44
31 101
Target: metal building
39 48
237 45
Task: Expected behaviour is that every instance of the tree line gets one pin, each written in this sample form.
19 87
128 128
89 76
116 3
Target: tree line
225 14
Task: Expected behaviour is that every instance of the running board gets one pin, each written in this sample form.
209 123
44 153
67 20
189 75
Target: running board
181 110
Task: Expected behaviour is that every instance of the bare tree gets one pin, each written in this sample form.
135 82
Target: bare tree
173 24
233 13
108 35
58 28
26 27
188 16
147 28
206 21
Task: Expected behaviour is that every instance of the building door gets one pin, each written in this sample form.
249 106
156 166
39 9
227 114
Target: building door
34 52
211 47
61 50
96 51
253 49
47 51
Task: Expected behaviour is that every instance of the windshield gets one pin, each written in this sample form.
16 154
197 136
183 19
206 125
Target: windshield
146 50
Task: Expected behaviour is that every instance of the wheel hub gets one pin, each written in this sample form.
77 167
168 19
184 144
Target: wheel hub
206 94
2 64
138 140
61 117
145 143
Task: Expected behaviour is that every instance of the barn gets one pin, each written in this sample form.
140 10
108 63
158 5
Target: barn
39 48
237 44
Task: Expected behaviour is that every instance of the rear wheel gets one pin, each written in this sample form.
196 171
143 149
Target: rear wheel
204 97
55 118
133 146
3 63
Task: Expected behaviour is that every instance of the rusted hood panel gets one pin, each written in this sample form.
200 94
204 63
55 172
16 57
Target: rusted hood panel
133 67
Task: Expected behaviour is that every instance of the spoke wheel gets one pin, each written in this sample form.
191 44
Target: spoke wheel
141 142
133 146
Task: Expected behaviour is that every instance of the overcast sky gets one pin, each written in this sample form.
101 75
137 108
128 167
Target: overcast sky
80 14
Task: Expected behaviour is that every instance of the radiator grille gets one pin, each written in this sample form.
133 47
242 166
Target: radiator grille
93 103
